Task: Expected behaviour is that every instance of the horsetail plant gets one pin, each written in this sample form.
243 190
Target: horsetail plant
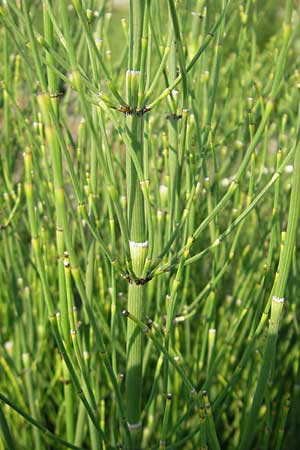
144 262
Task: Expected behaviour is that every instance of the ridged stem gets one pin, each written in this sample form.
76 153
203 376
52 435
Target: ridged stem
137 227
277 299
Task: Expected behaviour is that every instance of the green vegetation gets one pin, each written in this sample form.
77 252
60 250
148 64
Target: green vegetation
150 196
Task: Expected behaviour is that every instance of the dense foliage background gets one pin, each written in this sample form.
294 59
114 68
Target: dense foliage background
172 124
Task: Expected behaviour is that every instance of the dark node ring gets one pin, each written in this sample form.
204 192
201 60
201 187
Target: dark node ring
174 116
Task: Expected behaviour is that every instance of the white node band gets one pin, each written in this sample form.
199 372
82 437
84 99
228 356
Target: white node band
278 299
134 426
133 72
139 244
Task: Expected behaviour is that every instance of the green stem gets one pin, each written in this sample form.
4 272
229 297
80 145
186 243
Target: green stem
277 300
36 424
137 227
5 431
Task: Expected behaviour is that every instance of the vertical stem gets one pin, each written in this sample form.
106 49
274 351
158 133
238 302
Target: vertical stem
31 399
6 159
277 299
59 207
173 141
5 431
137 228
